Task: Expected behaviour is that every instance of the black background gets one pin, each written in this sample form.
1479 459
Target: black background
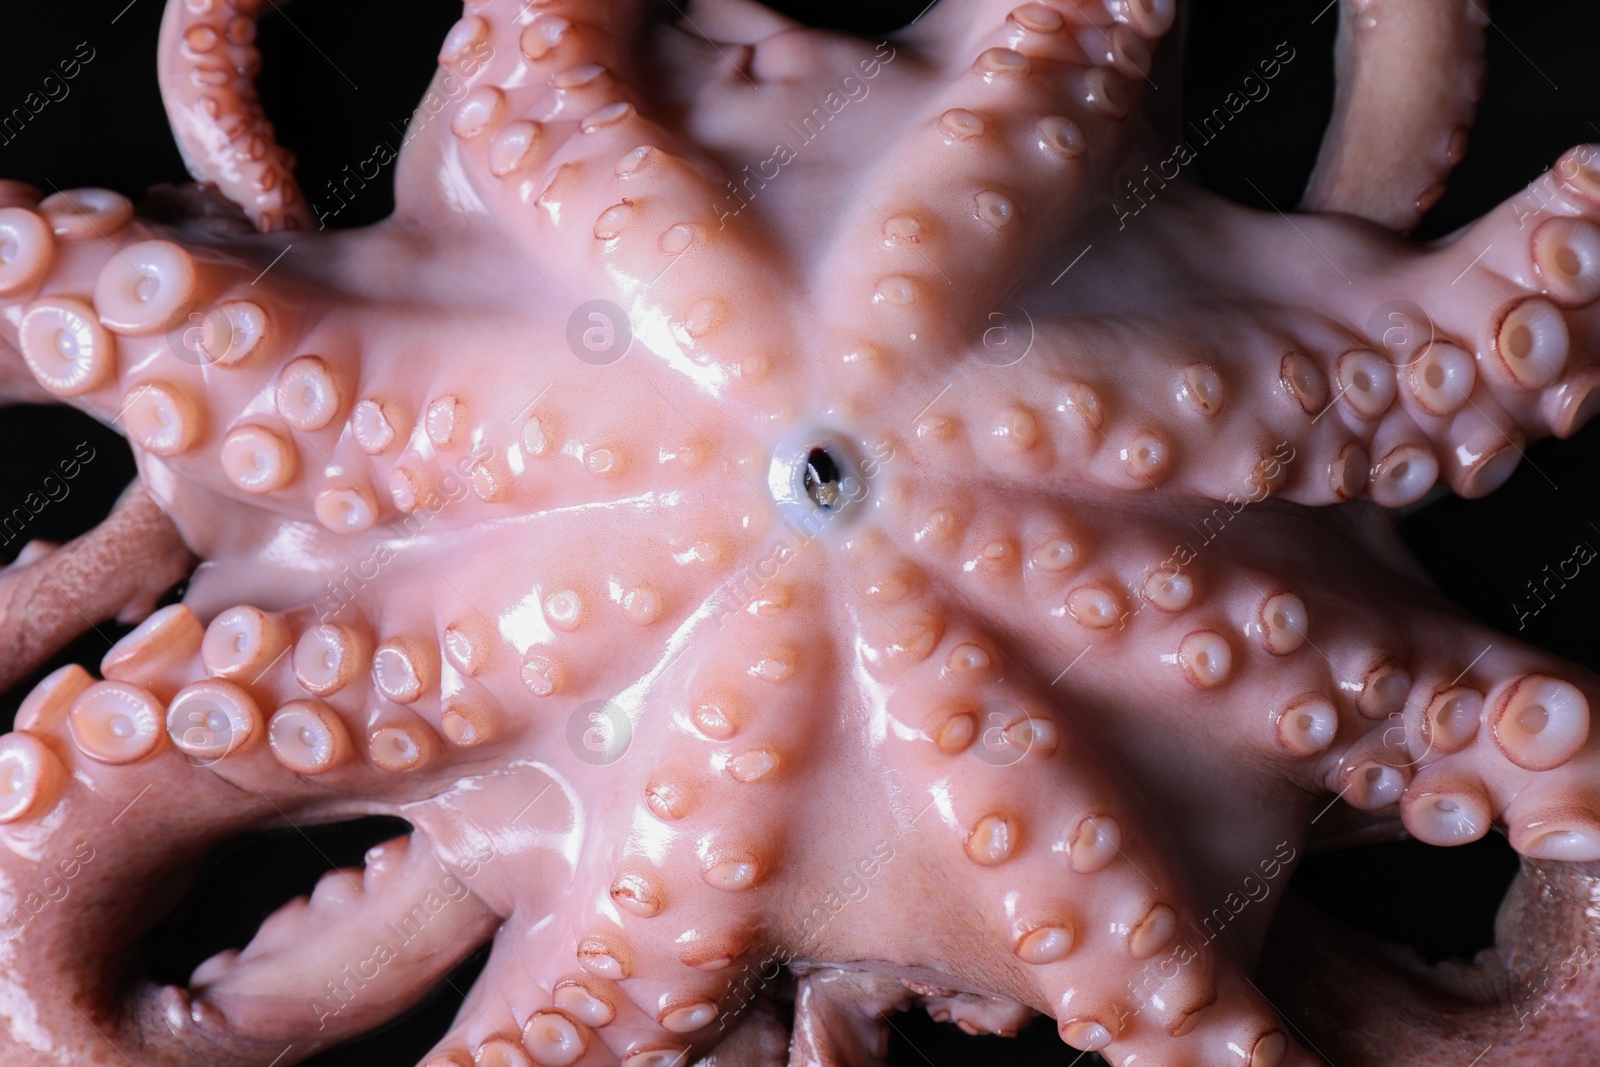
343 72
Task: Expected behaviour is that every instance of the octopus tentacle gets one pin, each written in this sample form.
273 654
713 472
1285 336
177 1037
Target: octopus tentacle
737 21
1408 81
126 830
194 707
839 1017
207 67
533 101
1062 866
954 28
1424 364
1341 704
403 899
1036 95
1512 995
50 595
485 1029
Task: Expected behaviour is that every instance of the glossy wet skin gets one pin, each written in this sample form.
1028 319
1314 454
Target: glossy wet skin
957 742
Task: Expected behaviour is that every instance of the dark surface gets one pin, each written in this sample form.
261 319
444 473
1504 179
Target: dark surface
109 130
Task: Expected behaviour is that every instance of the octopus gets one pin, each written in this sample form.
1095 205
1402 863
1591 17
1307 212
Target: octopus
965 582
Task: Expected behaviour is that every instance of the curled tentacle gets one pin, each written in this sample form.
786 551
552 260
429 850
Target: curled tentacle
1409 77
208 67
379 939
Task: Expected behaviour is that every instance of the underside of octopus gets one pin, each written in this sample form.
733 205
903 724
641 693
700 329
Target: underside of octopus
849 619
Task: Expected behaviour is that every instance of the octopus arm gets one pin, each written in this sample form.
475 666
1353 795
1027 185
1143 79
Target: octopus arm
1408 80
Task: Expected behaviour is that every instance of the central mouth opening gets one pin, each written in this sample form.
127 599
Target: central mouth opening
819 483
822 480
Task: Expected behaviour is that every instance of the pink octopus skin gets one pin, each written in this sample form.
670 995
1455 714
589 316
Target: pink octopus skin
643 590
